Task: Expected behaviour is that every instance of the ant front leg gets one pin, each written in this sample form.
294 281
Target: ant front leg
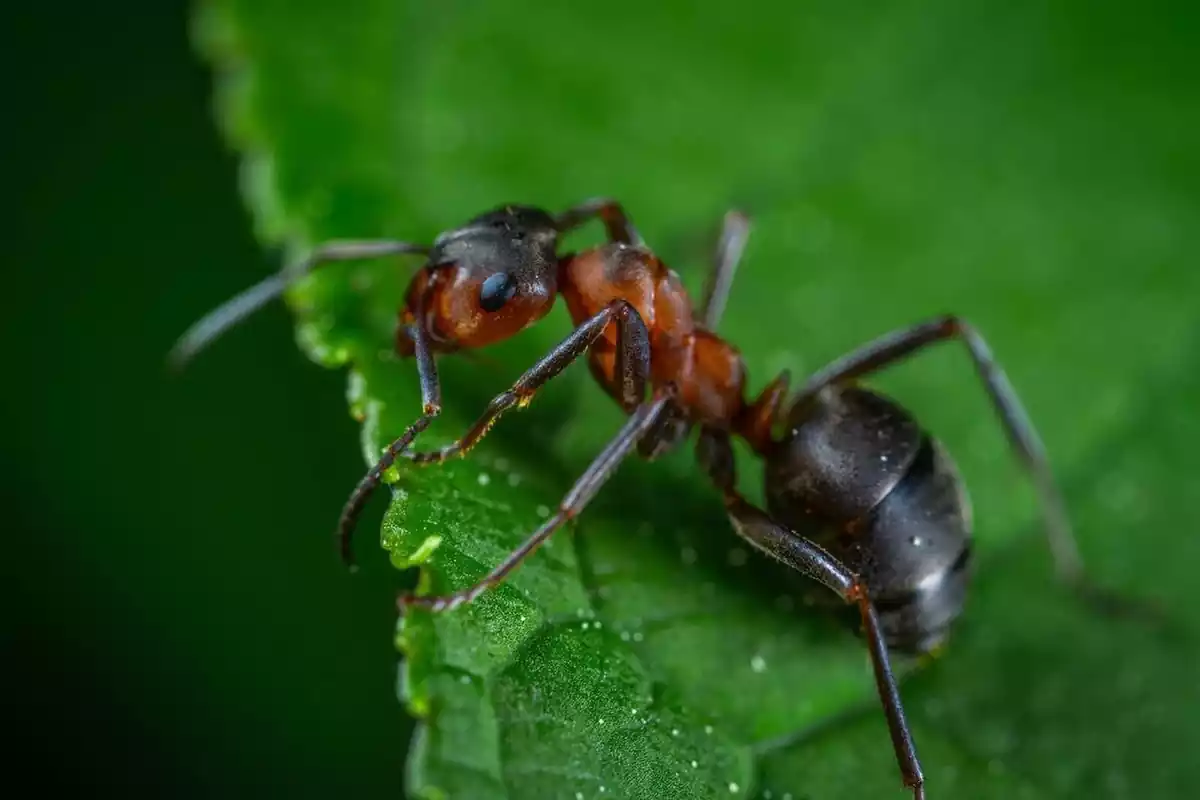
759 530
431 407
632 370
572 504
231 312
610 212
898 345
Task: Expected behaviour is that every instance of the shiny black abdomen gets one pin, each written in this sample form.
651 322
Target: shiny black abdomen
857 474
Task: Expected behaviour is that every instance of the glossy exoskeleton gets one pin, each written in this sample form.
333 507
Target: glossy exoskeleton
859 497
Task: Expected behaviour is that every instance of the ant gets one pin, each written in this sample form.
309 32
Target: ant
859 496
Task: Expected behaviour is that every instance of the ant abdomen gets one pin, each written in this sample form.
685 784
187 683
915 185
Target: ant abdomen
855 473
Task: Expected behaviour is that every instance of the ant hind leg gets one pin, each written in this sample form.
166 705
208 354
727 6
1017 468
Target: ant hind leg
759 530
897 346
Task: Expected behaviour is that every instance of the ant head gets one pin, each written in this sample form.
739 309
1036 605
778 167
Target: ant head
493 277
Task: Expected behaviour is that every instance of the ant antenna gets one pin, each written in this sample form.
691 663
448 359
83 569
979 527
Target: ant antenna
245 303
224 317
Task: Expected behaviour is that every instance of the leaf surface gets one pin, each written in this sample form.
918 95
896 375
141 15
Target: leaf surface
1029 169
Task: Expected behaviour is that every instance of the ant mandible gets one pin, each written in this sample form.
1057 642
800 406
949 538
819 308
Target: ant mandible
859 496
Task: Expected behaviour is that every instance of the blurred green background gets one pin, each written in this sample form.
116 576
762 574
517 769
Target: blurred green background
178 615
177 620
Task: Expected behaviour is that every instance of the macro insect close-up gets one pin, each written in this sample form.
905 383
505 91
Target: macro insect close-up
861 498
497 401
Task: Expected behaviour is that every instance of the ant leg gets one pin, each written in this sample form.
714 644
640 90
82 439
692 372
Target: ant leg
898 345
730 246
242 305
431 407
610 212
670 432
763 533
632 370
673 427
596 475
760 531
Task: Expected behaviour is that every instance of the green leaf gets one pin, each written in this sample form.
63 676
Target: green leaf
1032 169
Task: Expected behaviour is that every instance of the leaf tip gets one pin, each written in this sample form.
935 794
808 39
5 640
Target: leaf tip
422 553
419 556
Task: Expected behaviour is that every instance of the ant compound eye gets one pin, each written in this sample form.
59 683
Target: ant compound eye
497 290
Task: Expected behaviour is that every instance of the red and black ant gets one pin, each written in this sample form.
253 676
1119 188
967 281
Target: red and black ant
859 496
